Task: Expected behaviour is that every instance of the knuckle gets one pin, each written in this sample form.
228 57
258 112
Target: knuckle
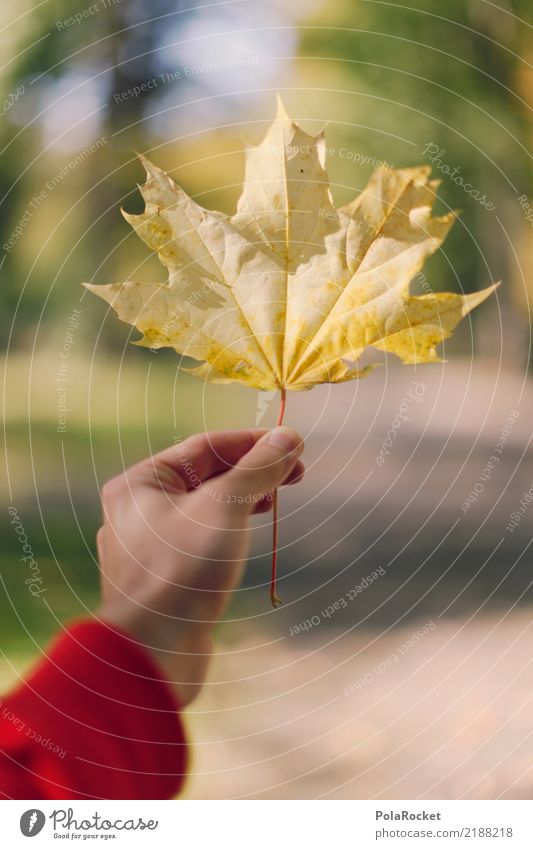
221 501
211 493
111 489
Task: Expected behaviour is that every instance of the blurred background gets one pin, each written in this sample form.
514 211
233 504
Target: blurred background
413 683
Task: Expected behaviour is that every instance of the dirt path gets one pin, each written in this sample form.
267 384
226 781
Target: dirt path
363 715
450 716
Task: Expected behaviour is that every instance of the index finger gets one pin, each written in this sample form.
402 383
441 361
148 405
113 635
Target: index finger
187 464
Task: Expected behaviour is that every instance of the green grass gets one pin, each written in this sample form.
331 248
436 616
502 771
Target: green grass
118 414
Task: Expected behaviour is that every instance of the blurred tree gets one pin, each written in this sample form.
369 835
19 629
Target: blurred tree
95 58
452 74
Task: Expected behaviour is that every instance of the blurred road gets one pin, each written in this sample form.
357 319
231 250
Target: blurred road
432 512
451 717
419 684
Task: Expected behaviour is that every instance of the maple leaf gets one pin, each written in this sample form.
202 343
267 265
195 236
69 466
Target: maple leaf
289 292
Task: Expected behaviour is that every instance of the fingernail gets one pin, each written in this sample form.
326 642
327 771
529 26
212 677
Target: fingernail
284 438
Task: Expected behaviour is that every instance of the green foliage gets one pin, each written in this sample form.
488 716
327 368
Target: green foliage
442 73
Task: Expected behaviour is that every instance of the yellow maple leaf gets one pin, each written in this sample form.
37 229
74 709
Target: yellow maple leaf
289 292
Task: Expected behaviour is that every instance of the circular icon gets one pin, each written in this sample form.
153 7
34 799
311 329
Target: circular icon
32 822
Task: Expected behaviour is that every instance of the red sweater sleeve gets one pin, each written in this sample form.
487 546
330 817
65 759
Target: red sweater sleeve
94 720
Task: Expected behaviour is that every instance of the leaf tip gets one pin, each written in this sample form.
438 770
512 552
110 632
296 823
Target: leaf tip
128 216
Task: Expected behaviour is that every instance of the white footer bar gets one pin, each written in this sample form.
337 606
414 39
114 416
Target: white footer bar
269 824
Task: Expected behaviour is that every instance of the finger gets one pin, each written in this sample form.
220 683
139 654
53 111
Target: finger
264 502
295 476
185 465
266 465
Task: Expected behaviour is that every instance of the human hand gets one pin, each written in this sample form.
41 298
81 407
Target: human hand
175 538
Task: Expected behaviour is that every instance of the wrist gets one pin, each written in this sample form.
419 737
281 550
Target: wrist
181 650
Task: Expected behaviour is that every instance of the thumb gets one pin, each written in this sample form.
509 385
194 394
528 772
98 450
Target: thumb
263 468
